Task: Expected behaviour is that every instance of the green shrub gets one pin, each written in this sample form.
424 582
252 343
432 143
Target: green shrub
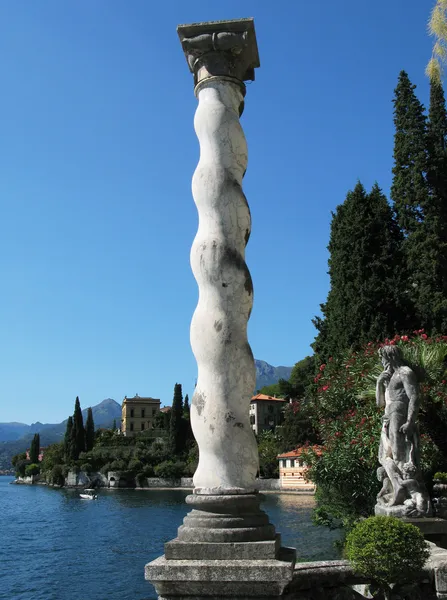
170 470
148 471
32 469
21 467
387 551
106 468
135 465
118 465
441 477
56 475
86 467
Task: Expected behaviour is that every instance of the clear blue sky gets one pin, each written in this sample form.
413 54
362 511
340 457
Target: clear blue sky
96 156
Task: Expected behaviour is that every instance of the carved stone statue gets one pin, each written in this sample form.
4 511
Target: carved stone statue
403 493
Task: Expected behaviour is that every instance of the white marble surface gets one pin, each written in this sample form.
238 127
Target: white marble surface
226 371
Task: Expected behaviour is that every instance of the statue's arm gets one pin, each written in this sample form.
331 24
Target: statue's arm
382 380
411 388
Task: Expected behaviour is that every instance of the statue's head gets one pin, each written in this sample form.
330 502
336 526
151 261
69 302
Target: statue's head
391 357
409 470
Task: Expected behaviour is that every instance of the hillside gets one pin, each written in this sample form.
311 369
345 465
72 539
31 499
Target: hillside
16 437
266 374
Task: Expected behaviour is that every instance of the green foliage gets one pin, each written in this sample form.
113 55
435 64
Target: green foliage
440 476
34 450
18 457
78 431
135 465
170 469
269 446
56 475
89 430
20 467
298 428
69 443
176 433
271 390
364 267
86 467
387 551
409 188
349 424
32 469
302 376
54 455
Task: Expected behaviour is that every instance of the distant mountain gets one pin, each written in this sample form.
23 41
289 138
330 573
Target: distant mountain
103 415
266 374
16 437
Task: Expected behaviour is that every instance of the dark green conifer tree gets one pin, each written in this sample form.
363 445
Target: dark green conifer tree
114 425
89 430
366 301
34 450
78 431
176 432
409 188
431 239
69 449
186 409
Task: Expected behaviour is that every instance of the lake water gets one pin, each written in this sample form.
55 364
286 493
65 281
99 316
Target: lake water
55 546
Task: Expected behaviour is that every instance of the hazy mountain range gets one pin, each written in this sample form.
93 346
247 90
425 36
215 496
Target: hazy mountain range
16 437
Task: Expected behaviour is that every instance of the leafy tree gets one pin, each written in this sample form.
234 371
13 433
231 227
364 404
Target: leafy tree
170 469
176 434
363 302
271 390
89 431
298 428
32 469
18 457
78 431
54 455
269 446
302 376
35 449
387 551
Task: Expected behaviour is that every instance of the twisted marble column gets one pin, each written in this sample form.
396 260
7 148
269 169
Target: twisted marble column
226 371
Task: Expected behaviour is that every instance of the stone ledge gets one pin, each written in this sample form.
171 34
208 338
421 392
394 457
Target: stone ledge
264 550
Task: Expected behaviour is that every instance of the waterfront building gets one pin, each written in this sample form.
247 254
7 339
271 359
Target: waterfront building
292 469
138 414
41 453
266 412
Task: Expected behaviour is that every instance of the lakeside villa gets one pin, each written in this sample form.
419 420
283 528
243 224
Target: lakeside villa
292 470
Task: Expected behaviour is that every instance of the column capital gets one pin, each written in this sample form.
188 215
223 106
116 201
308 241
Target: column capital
224 49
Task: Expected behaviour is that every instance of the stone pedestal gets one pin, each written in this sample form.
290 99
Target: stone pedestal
226 547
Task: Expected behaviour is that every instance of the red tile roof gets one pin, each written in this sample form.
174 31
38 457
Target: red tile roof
266 398
298 451
165 409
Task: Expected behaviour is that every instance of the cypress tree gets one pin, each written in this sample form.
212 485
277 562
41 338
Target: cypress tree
78 431
35 449
176 426
409 187
114 425
431 240
365 302
186 409
89 430
68 441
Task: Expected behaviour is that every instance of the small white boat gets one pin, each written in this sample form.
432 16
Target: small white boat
89 495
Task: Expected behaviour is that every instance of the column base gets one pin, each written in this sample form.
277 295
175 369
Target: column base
202 579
